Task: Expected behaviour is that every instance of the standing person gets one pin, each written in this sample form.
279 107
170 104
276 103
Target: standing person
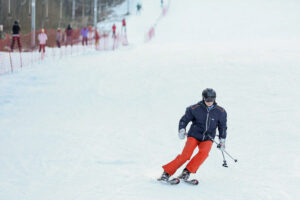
206 116
114 30
124 25
138 8
97 38
84 35
16 36
91 34
42 37
1 31
58 37
69 34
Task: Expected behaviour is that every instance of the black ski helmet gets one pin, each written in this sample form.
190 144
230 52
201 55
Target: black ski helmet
209 95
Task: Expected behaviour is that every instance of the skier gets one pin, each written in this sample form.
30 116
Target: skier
206 116
114 30
124 35
138 8
16 36
42 37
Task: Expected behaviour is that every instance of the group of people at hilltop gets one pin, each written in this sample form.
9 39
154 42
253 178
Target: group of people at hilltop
66 37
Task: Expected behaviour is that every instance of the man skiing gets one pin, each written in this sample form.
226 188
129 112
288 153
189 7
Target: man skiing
206 116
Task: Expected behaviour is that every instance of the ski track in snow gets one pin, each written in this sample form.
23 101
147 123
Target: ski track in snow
101 125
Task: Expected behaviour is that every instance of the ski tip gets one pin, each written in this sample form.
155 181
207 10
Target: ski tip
175 181
192 182
195 182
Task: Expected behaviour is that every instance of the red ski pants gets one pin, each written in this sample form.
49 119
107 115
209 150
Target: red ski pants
42 47
16 38
197 160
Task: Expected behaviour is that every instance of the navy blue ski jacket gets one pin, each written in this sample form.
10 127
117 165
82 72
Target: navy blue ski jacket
205 121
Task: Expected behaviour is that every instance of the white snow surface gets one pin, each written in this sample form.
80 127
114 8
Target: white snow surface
101 125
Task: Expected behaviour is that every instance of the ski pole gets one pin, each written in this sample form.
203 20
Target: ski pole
224 161
235 160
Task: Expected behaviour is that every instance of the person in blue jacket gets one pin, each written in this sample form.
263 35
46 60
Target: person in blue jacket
84 35
206 116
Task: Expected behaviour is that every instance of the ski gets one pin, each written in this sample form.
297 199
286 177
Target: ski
192 182
173 181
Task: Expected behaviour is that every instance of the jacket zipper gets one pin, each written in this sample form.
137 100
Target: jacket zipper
206 122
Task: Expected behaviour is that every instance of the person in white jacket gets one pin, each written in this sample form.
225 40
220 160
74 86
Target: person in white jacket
42 37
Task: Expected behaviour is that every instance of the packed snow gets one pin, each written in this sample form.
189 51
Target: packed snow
101 125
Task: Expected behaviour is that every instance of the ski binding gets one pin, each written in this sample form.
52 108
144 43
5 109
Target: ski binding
173 181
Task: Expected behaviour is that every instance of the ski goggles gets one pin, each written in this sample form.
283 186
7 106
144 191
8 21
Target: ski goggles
209 99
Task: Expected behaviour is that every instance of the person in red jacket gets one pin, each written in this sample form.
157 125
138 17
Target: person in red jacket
114 30
124 25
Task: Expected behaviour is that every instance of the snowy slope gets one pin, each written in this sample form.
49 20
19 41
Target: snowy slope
101 125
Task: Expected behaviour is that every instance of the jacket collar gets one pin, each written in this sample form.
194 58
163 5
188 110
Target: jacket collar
202 104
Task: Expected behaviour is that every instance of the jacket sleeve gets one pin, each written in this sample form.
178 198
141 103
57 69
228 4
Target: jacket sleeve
222 125
186 118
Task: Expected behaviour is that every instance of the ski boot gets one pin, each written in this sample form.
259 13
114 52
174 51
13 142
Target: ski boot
165 178
185 175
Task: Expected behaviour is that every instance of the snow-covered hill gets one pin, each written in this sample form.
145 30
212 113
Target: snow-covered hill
101 125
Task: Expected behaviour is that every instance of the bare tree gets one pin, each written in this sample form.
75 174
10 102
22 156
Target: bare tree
51 14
